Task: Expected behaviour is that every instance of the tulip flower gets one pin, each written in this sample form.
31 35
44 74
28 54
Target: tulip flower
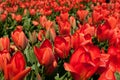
98 18
64 28
19 38
41 34
73 22
3 17
107 75
15 69
4 59
104 32
32 12
43 20
61 47
110 64
4 44
82 14
64 16
114 57
83 62
45 56
18 18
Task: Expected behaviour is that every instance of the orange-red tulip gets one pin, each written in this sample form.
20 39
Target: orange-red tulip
4 44
4 58
19 38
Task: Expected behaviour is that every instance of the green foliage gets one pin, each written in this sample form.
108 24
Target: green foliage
117 75
102 45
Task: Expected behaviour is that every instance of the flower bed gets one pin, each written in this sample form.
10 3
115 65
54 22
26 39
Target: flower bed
59 39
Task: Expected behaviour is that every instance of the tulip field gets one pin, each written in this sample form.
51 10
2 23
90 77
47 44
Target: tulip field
59 39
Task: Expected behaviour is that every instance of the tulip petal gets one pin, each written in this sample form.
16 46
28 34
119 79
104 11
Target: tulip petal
22 74
70 68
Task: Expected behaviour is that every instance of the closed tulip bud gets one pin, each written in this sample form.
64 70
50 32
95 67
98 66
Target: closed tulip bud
32 12
73 22
4 58
4 44
41 34
32 37
18 18
35 23
19 38
3 17
52 33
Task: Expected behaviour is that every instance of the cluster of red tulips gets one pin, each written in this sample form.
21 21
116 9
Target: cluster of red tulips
59 39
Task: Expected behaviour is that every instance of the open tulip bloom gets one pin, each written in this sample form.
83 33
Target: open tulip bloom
59 39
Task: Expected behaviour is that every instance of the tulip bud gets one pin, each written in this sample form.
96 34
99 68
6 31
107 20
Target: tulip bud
73 22
32 37
19 38
3 17
32 12
18 18
4 58
4 44
41 34
35 23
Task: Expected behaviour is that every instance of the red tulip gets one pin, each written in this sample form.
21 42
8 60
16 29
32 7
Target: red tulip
32 12
41 34
107 75
35 23
3 17
4 44
98 18
61 47
104 32
52 33
64 16
81 37
44 54
4 59
112 22
18 18
82 14
83 62
19 38
110 64
104 62
43 20
15 69
114 58
64 28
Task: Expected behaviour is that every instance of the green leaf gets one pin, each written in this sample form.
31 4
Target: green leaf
1 76
30 55
117 76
